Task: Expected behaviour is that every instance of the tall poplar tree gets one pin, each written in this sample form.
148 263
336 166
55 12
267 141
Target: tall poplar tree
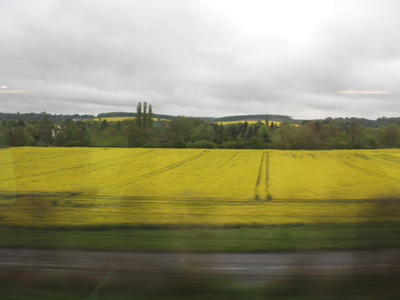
139 114
144 123
150 117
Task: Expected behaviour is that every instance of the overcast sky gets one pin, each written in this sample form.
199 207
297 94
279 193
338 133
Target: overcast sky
201 58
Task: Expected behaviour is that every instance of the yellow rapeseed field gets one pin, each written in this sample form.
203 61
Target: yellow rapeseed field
44 187
248 121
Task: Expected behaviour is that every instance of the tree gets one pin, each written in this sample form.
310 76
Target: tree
249 132
283 137
203 132
59 140
139 114
389 136
45 118
71 133
4 138
355 133
368 138
182 127
17 137
104 124
144 122
150 117
135 135
264 133
307 136
28 139
221 133
45 130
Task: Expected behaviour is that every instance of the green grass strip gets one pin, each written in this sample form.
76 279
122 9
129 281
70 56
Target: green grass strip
270 238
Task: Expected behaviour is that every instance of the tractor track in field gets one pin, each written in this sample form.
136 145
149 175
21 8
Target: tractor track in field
264 157
256 195
169 167
78 167
360 169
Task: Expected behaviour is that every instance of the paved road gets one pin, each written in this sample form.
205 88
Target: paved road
248 266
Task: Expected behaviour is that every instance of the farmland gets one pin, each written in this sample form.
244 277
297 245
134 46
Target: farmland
121 119
276 123
56 187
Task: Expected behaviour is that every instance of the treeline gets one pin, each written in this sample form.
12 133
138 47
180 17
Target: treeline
366 122
29 117
184 132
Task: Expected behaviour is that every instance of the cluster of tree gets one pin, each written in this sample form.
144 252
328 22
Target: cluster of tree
331 135
365 122
29 117
43 133
185 132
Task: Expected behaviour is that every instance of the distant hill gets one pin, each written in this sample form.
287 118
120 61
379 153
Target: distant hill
277 118
131 114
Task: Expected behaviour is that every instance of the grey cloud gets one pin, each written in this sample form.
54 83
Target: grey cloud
188 58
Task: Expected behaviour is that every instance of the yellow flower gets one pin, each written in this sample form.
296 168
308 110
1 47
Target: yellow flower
121 186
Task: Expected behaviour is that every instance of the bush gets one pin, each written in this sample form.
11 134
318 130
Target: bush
203 144
155 143
73 143
179 144
235 145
